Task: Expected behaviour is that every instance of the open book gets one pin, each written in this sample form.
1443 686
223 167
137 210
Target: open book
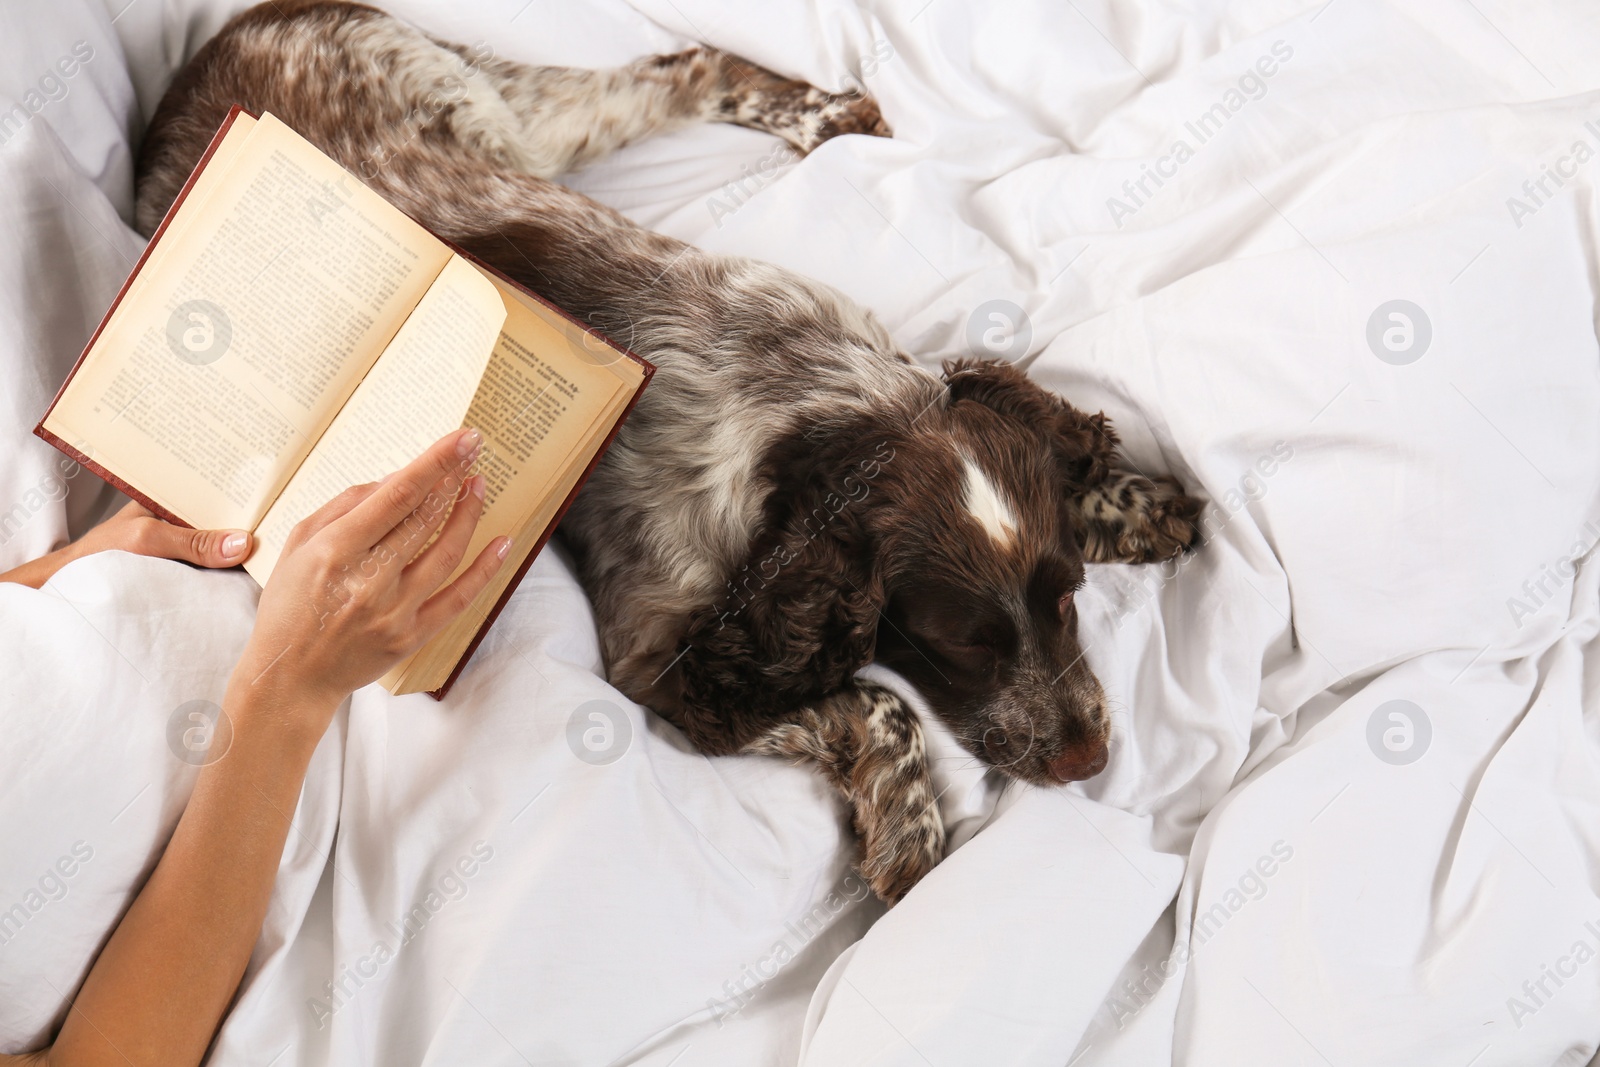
288 333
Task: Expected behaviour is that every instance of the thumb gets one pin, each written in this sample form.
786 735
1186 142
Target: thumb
207 548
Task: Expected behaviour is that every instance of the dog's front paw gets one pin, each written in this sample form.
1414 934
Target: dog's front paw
1133 519
869 744
902 844
1169 526
896 809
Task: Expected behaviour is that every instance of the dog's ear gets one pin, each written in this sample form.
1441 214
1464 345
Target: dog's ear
1085 445
800 617
1122 516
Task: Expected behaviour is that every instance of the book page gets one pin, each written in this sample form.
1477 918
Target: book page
213 176
432 664
418 391
544 406
278 283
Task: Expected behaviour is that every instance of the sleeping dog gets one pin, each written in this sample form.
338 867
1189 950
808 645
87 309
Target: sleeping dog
793 497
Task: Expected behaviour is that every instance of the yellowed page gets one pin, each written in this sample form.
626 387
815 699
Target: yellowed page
267 304
431 665
217 174
418 391
545 404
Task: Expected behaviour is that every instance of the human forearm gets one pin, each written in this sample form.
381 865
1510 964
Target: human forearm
36 572
161 985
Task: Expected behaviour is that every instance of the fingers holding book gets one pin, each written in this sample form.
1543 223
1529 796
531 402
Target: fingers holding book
136 529
380 518
441 495
352 596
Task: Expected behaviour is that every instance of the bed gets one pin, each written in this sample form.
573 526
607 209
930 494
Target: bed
1332 264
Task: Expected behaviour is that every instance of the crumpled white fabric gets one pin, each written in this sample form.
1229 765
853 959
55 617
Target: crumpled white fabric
1259 876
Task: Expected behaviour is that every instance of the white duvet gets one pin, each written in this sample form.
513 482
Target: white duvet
1333 265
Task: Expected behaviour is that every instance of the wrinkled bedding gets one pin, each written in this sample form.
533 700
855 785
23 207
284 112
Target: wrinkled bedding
1333 265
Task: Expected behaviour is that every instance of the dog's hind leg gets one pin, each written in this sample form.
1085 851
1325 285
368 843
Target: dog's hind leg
869 744
565 117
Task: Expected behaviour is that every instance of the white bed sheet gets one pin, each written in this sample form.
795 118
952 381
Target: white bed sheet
1249 882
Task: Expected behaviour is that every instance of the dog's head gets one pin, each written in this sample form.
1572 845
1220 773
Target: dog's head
980 554
946 543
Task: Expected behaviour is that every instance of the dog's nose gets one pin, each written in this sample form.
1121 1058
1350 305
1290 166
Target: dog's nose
1080 762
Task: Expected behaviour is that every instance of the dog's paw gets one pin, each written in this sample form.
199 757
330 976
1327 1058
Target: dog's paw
842 113
1169 526
902 845
797 111
868 743
890 788
1133 519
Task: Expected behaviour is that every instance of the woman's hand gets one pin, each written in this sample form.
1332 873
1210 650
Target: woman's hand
134 529
350 596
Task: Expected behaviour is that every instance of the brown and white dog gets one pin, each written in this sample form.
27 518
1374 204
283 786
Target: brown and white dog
793 497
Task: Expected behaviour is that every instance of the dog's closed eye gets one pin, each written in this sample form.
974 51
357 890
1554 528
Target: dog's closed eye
973 649
969 645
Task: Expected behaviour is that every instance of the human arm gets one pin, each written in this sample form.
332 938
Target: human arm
349 598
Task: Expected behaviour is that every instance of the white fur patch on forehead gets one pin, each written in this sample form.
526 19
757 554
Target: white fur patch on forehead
986 504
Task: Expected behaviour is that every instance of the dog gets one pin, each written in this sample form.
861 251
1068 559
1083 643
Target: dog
793 498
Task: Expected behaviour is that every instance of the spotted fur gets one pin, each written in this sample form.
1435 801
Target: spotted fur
869 744
787 502
1129 518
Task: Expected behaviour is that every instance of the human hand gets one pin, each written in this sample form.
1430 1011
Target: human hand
351 597
134 529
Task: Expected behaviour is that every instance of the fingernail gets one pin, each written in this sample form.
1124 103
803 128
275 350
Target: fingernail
468 443
234 544
505 546
478 486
